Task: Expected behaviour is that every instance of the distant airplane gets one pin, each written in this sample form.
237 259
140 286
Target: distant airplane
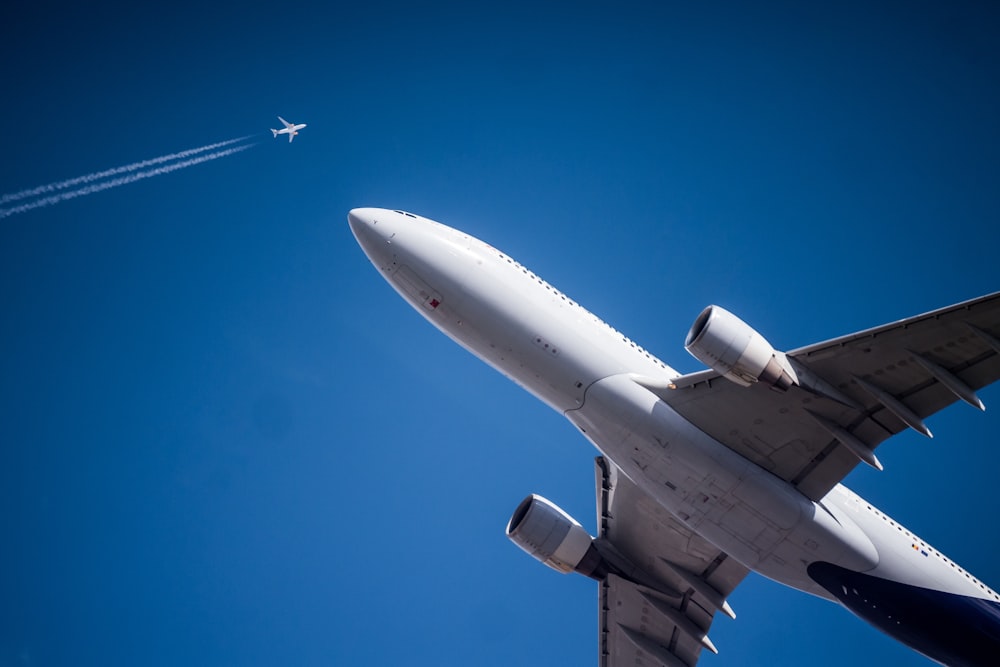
707 476
291 129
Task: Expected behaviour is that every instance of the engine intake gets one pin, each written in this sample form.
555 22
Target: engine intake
552 536
730 346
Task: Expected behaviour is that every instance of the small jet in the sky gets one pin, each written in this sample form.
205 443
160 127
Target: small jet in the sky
291 129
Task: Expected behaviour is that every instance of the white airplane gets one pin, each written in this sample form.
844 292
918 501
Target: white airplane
704 477
291 129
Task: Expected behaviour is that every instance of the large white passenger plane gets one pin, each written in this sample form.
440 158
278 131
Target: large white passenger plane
706 476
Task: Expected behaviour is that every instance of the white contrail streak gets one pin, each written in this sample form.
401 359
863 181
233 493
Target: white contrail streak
99 175
121 180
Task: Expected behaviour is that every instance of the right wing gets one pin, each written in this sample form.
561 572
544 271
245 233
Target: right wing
668 625
888 379
284 122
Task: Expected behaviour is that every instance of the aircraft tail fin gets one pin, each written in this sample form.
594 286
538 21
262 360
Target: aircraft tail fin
275 133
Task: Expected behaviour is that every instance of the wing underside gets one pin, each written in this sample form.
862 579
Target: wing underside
685 580
867 387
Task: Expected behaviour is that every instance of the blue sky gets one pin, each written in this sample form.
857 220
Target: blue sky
225 440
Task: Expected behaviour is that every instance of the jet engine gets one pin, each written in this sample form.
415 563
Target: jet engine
728 345
552 536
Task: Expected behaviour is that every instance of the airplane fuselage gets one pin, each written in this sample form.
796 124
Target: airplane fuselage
840 548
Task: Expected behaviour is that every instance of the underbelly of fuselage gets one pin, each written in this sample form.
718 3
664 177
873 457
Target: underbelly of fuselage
755 517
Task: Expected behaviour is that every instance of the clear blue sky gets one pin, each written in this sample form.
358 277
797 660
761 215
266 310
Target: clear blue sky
224 440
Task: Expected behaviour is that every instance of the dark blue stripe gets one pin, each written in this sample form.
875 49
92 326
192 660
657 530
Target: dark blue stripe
952 629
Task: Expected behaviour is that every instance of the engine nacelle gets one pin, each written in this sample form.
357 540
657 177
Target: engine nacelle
730 346
553 537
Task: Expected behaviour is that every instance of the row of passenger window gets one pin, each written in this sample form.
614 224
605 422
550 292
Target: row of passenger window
549 287
927 548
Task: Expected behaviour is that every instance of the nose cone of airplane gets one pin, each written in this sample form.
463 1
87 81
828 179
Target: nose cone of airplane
363 222
358 218
369 234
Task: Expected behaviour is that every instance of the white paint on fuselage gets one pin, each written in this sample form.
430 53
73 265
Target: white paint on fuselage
903 556
500 311
577 364
755 517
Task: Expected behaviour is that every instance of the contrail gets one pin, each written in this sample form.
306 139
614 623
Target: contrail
122 180
98 175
